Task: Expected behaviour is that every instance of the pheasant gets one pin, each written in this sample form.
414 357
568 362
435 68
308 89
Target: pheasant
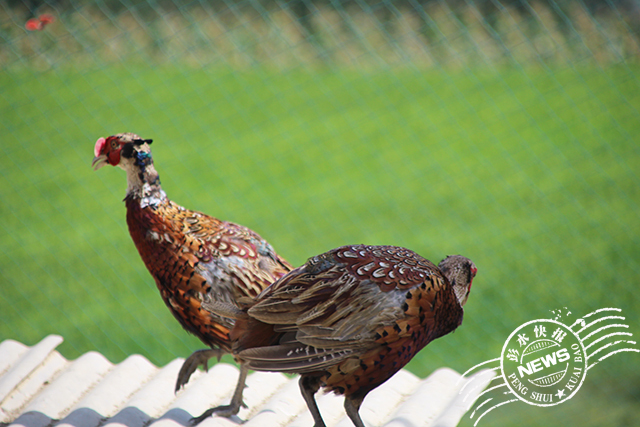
349 319
196 260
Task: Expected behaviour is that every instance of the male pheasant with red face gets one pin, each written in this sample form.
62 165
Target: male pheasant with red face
196 260
349 319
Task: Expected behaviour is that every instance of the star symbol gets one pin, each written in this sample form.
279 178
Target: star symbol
560 394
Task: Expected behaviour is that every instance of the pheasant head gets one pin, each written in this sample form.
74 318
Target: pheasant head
120 150
133 154
460 272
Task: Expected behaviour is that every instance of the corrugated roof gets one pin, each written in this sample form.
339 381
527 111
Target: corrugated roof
38 387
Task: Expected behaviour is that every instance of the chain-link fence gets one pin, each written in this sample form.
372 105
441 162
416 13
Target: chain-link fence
505 131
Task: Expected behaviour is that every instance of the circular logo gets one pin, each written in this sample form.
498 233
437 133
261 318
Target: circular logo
543 362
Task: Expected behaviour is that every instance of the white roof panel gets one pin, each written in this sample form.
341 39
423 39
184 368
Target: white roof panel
39 387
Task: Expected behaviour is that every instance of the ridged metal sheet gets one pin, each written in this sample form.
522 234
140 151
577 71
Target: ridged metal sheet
40 388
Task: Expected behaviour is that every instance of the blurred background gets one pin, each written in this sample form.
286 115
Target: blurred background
506 131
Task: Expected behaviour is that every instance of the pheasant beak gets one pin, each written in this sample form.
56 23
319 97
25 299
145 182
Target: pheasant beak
99 161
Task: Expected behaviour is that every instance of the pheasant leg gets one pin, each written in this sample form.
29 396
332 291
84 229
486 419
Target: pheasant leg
233 407
198 358
351 406
309 386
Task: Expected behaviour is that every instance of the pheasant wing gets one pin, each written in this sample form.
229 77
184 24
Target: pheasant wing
340 302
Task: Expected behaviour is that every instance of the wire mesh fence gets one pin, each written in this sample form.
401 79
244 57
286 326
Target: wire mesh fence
505 131
323 33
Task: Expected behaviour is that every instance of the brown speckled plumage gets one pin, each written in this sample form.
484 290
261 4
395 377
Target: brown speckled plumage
195 258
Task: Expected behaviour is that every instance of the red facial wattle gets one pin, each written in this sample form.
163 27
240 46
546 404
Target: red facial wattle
100 143
109 148
474 271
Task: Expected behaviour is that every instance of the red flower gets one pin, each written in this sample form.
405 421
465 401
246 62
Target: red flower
33 24
46 19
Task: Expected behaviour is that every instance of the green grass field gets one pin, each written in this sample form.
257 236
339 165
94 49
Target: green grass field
532 173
